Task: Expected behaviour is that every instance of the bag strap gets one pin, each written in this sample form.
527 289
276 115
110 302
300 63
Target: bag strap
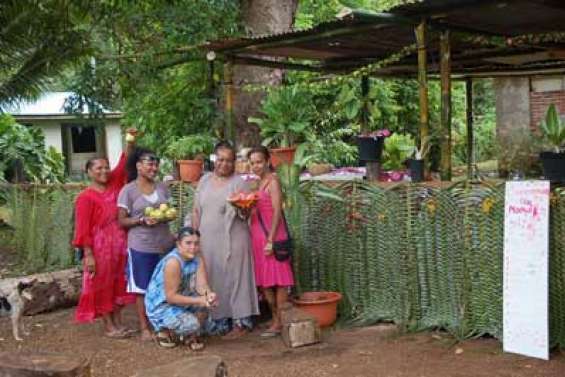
265 228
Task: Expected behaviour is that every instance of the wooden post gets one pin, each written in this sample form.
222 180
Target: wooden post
423 82
445 73
470 137
229 132
365 108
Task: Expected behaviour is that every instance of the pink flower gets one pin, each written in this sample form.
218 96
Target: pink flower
382 133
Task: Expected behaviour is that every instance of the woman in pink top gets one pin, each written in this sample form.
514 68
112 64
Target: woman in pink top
271 276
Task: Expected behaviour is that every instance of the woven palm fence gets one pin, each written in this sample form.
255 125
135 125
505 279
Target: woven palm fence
420 256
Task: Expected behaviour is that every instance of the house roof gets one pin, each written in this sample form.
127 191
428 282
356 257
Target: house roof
488 37
51 105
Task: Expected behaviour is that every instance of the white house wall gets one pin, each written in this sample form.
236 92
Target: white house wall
113 142
52 132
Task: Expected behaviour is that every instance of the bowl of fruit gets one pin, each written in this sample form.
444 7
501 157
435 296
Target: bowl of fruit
243 200
162 214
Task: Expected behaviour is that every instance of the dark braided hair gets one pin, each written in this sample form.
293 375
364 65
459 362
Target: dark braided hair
187 231
133 159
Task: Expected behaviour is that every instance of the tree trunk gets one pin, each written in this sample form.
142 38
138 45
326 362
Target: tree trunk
259 17
40 365
48 291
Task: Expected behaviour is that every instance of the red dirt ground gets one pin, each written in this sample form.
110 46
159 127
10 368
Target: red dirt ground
371 351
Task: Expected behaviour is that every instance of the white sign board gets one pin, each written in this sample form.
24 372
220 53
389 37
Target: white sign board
526 247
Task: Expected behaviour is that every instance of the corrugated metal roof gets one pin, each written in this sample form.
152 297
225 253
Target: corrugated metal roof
362 37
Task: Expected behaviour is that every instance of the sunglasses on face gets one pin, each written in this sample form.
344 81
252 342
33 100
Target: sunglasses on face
150 160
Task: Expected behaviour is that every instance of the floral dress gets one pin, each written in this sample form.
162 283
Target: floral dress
181 320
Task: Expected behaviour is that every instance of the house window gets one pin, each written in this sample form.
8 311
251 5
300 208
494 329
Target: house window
83 139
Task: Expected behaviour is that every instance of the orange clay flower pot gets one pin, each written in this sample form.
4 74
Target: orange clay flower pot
321 305
281 156
190 170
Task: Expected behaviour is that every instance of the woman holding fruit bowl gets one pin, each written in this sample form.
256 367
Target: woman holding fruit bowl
143 210
226 245
103 242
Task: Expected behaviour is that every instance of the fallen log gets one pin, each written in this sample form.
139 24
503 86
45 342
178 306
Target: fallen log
42 365
47 291
203 366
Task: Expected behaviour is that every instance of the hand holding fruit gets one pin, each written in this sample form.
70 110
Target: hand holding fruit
211 299
130 135
162 214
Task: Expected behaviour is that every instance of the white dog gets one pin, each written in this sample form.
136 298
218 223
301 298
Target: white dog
13 296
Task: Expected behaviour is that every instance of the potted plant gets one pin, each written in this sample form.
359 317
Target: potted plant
553 133
287 115
416 163
371 144
190 153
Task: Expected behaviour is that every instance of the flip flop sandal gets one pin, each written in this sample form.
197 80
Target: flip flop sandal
127 333
115 335
195 345
165 341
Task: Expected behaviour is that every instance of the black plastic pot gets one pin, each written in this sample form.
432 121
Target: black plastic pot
553 166
370 148
416 170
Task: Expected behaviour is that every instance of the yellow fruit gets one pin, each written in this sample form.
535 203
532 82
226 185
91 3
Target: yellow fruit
158 214
171 214
148 211
163 207
130 138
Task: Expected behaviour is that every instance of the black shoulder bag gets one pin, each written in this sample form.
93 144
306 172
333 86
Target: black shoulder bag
281 249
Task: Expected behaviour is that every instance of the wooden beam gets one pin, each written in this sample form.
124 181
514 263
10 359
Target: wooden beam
365 98
445 75
248 60
423 81
229 132
470 138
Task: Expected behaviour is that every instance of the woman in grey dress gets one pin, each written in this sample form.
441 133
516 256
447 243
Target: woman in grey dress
226 245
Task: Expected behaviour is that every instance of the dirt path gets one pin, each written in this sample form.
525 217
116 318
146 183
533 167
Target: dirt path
372 351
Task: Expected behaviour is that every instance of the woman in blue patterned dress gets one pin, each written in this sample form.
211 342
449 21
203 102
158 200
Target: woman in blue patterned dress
178 296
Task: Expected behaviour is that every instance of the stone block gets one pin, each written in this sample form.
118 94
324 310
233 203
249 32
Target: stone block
299 328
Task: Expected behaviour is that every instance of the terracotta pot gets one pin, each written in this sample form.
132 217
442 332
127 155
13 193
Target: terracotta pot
281 156
321 305
190 170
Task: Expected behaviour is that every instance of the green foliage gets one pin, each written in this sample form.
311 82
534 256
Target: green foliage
553 128
39 40
26 146
146 64
189 147
397 149
287 115
42 219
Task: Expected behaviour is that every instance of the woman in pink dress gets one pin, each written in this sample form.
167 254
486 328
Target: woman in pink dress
103 242
272 276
